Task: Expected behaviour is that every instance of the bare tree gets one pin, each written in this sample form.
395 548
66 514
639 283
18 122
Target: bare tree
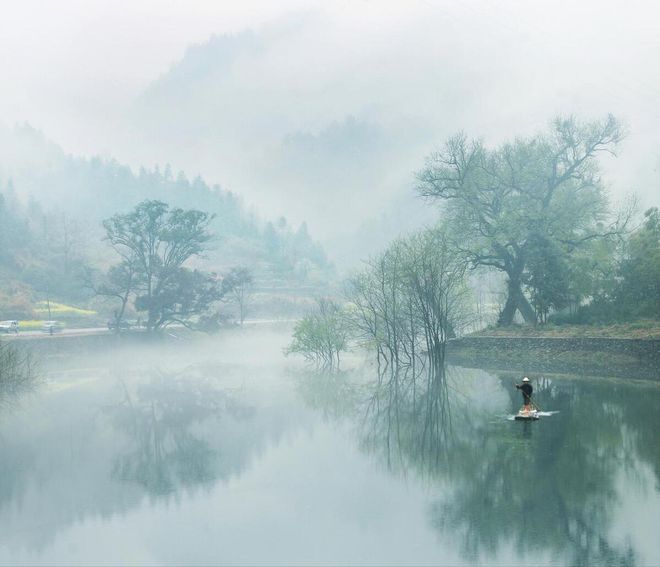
409 302
545 187
239 284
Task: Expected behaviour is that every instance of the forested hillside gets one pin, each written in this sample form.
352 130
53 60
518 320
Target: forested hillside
45 250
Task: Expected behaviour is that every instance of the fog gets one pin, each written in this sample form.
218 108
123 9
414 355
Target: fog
219 451
305 106
275 278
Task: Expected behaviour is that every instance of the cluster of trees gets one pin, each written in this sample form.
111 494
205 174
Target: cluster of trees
322 335
403 306
535 209
44 251
408 302
630 288
39 250
154 242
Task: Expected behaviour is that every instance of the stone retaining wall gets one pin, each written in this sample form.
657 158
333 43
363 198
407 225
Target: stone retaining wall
640 348
605 356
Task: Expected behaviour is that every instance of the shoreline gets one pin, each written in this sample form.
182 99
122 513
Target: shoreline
613 357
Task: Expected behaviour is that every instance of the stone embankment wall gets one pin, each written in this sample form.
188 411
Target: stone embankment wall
607 356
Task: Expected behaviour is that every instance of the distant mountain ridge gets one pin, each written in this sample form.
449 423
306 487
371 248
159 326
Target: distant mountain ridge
250 108
53 185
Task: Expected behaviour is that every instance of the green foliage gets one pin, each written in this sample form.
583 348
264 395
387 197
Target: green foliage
546 277
632 289
321 336
505 204
154 242
410 301
639 290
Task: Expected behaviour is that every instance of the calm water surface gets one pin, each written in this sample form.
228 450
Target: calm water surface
227 453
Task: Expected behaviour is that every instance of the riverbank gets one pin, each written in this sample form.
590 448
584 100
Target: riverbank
616 357
642 329
59 348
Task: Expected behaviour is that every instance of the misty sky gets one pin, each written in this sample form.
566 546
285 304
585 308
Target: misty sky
301 105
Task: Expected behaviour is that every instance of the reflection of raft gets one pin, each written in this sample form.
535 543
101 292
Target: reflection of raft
530 415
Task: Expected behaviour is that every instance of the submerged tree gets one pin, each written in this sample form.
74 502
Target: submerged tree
409 302
154 242
501 201
321 336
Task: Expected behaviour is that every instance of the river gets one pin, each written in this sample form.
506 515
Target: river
226 452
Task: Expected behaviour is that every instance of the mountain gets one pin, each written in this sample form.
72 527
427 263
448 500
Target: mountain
52 205
297 136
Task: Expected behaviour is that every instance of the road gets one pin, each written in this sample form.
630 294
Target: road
39 334
78 332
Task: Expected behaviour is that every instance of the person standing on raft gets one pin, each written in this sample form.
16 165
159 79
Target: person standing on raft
527 391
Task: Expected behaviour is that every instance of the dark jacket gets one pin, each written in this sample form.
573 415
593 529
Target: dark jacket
527 390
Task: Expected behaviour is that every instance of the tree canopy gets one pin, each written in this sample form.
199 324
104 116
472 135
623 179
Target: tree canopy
502 203
154 242
638 292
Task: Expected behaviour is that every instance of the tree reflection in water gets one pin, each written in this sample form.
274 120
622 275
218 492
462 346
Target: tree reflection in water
547 489
18 375
408 417
159 418
542 490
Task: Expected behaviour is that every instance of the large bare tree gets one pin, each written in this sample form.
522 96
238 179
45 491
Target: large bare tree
501 201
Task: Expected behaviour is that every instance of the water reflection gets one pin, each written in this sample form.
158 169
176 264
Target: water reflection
158 417
364 471
408 419
336 395
549 489
94 448
18 376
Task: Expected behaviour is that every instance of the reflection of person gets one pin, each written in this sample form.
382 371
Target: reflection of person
527 391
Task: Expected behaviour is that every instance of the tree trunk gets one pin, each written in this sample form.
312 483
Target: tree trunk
516 301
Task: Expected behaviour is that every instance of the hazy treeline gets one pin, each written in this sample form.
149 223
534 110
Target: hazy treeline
534 210
51 230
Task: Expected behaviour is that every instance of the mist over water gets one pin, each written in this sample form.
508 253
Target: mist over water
271 275
219 453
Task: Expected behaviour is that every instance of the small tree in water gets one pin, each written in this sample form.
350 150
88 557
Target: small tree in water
409 302
321 336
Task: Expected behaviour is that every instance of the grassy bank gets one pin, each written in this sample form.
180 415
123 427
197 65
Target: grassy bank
642 329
